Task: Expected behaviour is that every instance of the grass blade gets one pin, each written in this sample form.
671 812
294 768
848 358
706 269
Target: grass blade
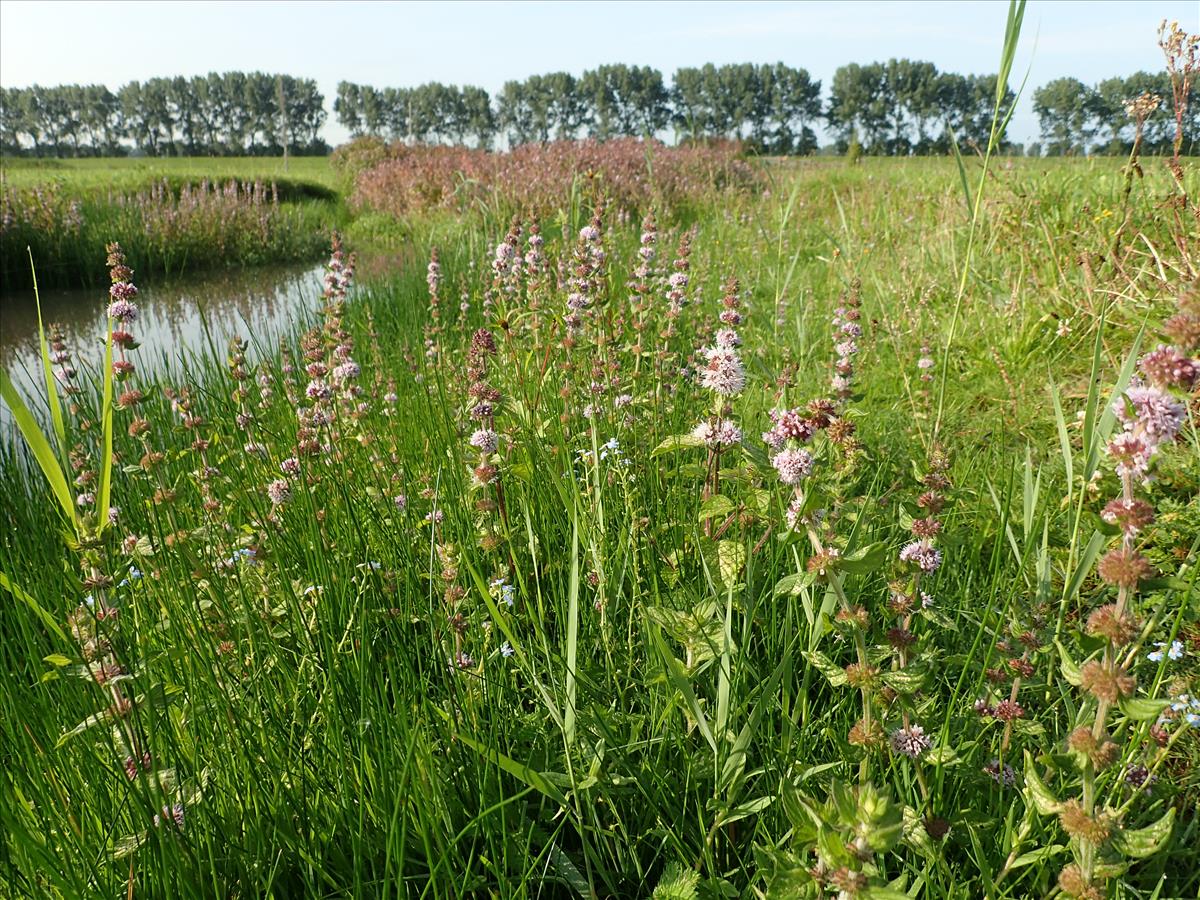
38 610
56 416
36 441
104 489
572 634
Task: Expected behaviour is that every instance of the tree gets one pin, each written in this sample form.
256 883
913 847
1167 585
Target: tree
567 110
478 120
11 124
792 101
347 107
625 100
1065 109
859 102
914 86
513 113
232 114
690 112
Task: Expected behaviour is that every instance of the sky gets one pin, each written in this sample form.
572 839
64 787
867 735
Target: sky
399 44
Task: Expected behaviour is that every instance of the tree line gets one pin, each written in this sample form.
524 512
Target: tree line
1076 119
220 114
899 107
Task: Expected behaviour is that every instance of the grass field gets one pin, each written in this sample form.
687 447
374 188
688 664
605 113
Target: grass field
131 173
175 215
521 604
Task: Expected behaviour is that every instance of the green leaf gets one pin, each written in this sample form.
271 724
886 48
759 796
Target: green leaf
676 883
833 673
792 584
677 442
715 506
1039 794
1035 856
742 810
1068 666
57 659
908 680
943 756
1141 709
731 557
1140 843
962 171
1086 560
35 439
1165 583
678 678
864 560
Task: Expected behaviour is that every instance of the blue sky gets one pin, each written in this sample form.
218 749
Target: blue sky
488 43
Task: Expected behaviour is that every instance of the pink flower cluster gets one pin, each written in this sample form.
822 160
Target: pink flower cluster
846 331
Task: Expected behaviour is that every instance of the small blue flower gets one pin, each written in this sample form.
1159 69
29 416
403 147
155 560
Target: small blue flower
1174 652
506 590
506 650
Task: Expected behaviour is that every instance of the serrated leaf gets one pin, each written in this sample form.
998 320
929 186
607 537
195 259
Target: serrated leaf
915 834
833 673
1141 709
908 680
731 556
792 584
864 560
714 506
1140 843
677 442
943 756
1036 790
1068 666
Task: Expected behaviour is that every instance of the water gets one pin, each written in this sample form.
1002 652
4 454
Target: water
177 315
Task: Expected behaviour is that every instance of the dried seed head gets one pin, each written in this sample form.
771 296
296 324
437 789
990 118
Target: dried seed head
1077 822
863 735
860 675
1124 568
1105 683
1118 627
855 616
1072 882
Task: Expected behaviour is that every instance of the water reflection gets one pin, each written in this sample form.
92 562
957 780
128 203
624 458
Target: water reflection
174 315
